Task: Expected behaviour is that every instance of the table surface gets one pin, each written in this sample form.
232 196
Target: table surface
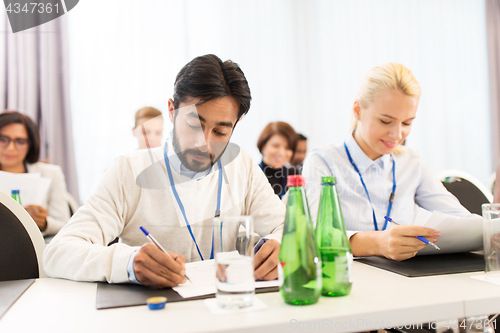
378 299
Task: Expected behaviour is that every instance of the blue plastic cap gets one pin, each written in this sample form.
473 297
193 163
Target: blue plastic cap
15 192
144 230
156 303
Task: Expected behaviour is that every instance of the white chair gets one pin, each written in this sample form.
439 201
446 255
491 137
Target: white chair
491 182
470 191
21 242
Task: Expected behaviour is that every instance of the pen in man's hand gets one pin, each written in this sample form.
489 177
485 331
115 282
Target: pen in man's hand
423 239
155 242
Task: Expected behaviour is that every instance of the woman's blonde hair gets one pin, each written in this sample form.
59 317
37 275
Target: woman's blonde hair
388 75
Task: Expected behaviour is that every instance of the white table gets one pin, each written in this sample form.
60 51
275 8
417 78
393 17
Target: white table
378 298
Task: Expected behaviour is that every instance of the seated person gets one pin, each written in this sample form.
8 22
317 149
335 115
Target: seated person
300 152
173 192
277 143
19 153
378 177
148 127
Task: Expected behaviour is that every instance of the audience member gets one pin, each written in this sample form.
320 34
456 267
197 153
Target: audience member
378 177
148 127
174 191
277 142
300 152
19 153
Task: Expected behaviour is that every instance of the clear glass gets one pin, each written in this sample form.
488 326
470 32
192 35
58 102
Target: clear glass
234 278
491 237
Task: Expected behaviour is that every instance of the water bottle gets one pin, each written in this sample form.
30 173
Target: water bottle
333 244
16 196
299 265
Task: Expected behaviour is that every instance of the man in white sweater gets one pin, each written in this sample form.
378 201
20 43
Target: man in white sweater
173 192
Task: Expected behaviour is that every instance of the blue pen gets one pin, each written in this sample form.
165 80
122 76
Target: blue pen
155 242
423 239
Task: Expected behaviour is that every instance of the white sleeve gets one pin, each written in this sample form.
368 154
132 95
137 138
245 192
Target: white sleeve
315 167
79 251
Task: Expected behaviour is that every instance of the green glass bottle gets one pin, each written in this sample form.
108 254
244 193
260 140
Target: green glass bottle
300 267
333 244
16 196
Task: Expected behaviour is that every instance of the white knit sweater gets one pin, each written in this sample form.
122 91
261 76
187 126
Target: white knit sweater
134 192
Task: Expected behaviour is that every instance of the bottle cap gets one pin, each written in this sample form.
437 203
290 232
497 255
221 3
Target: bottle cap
156 303
330 180
15 192
295 180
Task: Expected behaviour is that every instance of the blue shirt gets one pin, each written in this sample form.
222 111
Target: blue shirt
417 186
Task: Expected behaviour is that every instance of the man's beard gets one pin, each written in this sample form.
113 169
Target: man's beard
195 165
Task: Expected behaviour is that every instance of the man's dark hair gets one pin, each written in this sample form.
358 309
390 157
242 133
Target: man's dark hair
301 137
13 117
208 78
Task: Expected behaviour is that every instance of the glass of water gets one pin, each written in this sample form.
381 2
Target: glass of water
233 252
491 237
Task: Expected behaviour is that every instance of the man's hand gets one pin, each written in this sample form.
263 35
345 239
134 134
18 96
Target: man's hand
39 215
154 268
265 261
400 242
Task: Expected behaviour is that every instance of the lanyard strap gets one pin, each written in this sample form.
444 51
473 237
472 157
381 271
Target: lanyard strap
391 197
181 206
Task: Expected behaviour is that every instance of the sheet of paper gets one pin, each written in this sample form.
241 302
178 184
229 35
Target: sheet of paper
32 188
202 275
458 234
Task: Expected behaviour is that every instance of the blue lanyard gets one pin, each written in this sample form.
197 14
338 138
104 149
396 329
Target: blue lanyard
391 197
181 206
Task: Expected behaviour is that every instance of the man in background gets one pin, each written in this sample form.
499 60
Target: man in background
300 152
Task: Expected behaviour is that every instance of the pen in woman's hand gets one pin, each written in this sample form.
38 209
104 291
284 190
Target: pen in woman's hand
423 239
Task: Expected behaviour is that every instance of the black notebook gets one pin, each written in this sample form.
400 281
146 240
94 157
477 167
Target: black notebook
437 264
121 295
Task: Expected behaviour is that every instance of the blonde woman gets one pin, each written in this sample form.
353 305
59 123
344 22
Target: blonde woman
376 175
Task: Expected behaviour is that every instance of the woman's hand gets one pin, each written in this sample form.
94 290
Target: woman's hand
400 242
39 215
397 243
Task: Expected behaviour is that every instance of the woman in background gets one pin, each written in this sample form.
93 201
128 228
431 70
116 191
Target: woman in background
377 176
148 128
19 153
277 143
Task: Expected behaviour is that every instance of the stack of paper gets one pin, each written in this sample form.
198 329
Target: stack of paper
32 187
458 234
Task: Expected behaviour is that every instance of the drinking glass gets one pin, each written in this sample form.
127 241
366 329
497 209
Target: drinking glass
234 261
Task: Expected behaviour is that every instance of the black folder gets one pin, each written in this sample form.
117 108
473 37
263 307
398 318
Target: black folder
10 291
122 295
437 264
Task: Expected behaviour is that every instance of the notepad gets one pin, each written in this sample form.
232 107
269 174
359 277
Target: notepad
202 275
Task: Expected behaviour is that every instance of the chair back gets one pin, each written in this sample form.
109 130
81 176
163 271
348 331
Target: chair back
469 191
21 242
